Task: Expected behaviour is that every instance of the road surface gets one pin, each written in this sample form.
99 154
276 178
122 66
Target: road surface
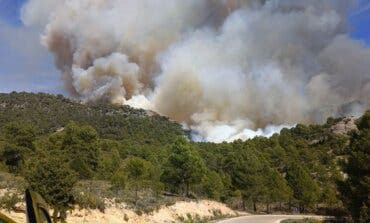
266 218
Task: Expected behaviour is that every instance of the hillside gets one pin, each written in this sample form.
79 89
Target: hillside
95 153
49 113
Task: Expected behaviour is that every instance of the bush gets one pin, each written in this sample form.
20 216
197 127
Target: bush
91 194
9 181
189 218
87 200
148 203
9 201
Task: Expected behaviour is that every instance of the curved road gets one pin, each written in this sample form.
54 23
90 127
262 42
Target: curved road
266 218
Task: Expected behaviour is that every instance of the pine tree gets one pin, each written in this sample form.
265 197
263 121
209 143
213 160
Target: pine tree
277 188
184 166
247 171
305 189
213 185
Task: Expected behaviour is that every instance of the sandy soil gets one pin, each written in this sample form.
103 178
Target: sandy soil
120 213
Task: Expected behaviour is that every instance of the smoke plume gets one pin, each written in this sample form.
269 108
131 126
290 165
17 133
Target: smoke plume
227 69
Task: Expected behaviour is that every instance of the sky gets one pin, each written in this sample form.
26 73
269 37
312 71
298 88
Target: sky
25 65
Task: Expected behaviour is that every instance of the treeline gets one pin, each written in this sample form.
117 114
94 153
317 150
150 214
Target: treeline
299 169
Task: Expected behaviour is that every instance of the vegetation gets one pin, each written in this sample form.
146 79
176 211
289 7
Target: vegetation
183 168
66 150
9 201
356 188
52 178
137 175
217 215
48 113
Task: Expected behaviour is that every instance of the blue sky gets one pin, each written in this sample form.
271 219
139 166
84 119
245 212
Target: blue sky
9 11
26 66
360 21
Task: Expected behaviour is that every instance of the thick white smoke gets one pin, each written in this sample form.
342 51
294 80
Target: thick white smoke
225 68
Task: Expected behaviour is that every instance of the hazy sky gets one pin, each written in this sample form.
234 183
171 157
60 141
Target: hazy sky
26 66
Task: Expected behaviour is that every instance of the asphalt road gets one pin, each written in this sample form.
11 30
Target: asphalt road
265 218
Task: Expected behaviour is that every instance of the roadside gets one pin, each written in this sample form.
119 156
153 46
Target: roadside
268 218
181 211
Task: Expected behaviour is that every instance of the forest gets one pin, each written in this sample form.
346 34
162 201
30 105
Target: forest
77 154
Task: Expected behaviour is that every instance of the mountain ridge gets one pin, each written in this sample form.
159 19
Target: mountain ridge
52 112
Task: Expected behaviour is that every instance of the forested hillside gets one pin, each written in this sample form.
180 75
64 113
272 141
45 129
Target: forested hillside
49 113
90 152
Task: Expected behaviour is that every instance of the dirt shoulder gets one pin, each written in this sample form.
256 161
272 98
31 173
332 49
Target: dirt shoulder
180 211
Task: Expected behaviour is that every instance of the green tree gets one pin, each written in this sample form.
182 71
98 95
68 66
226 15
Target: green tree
305 189
184 166
20 134
12 155
213 185
54 180
246 170
137 174
109 162
19 140
277 188
329 196
80 144
356 188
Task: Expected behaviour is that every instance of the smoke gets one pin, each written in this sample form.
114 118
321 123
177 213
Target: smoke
227 69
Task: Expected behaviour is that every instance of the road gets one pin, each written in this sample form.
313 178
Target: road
266 218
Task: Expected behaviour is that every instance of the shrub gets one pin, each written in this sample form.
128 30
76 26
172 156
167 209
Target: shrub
88 200
9 201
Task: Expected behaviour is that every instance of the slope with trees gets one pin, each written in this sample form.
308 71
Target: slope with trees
88 152
356 188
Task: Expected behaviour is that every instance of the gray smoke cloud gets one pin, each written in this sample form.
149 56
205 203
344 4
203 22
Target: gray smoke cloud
227 69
